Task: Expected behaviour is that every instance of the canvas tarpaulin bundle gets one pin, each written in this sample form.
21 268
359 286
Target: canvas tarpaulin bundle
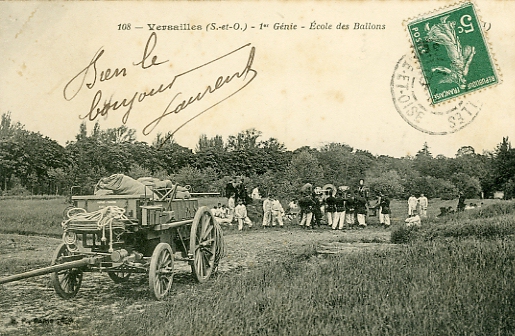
155 183
119 184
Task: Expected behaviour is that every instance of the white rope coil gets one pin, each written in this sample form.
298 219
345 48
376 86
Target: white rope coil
101 218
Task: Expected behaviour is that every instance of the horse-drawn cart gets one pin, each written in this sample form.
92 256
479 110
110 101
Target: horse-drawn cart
125 234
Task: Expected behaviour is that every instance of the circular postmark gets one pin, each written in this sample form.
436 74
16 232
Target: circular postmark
409 94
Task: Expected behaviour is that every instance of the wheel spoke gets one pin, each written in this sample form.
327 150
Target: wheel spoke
206 262
204 251
202 227
208 243
207 233
200 264
159 290
73 283
64 281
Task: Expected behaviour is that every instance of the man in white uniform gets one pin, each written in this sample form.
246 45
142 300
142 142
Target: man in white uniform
422 200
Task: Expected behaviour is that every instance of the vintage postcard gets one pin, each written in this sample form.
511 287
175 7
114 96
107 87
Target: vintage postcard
408 97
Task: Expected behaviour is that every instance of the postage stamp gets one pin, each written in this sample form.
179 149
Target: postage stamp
408 89
453 53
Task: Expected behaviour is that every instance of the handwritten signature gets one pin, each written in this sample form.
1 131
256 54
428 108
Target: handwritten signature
90 76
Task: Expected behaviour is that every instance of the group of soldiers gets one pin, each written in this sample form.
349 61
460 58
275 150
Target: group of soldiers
339 208
343 207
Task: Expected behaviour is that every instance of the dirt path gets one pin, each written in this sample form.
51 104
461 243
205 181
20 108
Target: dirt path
33 301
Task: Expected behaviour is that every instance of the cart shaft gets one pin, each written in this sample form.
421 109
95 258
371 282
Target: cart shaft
50 269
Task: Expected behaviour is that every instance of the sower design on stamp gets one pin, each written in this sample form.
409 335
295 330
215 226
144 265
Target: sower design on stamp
452 52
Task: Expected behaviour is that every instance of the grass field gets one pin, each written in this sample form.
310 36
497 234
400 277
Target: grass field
44 216
452 276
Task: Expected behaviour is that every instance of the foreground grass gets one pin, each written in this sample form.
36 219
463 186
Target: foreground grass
455 281
431 289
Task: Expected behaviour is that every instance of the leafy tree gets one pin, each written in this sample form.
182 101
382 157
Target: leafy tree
118 135
13 161
304 168
388 183
336 160
42 154
245 140
469 185
215 143
422 161
431 187
199 180
7 127
504 167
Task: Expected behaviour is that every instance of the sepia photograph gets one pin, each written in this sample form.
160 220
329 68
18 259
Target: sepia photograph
257 167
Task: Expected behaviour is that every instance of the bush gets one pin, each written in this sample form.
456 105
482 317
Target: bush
490 228
17 191
403 235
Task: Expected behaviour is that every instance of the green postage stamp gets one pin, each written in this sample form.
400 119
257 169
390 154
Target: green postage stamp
453 53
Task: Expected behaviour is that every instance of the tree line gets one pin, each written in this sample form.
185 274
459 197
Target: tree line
31 163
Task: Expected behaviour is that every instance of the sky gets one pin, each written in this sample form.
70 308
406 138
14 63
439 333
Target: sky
61 62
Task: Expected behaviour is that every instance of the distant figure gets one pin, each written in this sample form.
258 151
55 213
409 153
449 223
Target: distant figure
413 221
412 205
461 203
277 212
360 207
339 215
231 205
317 208
445 211
330 210
423 202
349 210
221 214
255 194
293 210
267 211
236 187
215 211
363 190
240 213
384 210
307 205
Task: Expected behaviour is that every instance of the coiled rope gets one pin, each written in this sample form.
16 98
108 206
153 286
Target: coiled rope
103 218
220 245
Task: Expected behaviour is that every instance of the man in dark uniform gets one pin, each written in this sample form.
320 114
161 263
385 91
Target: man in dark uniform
361 203
306 205
317 211
384 210
330 209
461 202
237 187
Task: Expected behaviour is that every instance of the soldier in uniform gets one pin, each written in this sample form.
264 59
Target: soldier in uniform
361 203
384 210
306 205
317 208
330 209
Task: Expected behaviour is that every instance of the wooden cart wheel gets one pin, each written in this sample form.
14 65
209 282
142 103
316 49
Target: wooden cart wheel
119 277
160 273
66 282
203 244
